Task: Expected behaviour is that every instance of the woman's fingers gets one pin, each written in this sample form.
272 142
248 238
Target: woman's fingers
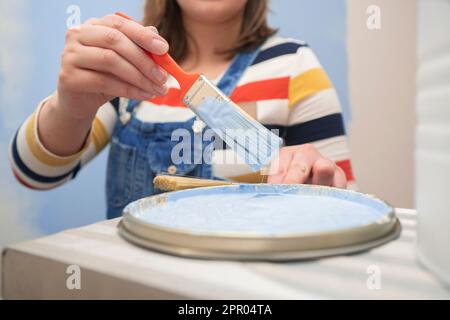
108 61
144 37
301 165
304 164
106 84
293 165
109 38
340 179
323 172
280 165
104 59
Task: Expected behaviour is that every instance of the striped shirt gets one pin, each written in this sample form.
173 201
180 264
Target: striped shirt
285 88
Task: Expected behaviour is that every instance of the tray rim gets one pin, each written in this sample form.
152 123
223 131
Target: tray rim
280 256
388 220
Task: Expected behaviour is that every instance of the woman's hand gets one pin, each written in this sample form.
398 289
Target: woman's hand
103 59
305 165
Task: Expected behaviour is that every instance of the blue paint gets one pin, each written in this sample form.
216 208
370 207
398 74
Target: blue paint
251 141
264 210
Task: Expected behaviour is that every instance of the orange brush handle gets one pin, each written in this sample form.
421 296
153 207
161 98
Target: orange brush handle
165 61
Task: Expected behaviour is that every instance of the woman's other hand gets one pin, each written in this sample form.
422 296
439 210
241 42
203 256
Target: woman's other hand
305 165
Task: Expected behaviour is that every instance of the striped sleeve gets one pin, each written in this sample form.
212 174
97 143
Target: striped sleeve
37 168
315 114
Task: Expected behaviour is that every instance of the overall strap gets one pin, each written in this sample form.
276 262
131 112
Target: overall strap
132 104
126 115
237 68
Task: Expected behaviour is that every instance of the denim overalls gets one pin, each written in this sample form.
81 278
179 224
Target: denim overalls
142 150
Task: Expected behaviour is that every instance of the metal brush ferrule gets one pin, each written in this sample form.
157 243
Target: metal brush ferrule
201 89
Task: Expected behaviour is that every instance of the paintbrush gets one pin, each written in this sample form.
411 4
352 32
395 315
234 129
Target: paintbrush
174 183
247 137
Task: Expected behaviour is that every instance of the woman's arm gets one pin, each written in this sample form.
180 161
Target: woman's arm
59 131
38 168
102 59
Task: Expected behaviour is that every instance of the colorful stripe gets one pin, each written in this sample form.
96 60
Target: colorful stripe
116 104
278 50
314 130
41 153
30 173
262 90
254 91
346 166
99 135
323 103
24 183
308 84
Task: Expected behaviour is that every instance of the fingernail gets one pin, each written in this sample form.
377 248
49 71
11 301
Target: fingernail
159 75
162 90
153 29
160 46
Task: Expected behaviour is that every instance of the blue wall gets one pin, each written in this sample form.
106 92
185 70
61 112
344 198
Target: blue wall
37 46
323 25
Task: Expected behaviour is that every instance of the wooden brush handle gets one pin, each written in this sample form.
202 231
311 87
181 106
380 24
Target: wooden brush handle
174 183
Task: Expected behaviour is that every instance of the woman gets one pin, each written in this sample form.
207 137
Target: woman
282 85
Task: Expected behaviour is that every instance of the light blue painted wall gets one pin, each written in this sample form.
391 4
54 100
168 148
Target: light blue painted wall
323 25
40 27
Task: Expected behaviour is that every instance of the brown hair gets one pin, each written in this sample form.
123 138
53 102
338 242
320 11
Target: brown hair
166 16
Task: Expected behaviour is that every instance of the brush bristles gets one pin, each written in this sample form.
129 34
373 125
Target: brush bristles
174 183
252 142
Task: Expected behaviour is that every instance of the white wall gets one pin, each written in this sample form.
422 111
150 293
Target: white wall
382 95
433 137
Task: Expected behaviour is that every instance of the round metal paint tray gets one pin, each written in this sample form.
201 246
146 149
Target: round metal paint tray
182 237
